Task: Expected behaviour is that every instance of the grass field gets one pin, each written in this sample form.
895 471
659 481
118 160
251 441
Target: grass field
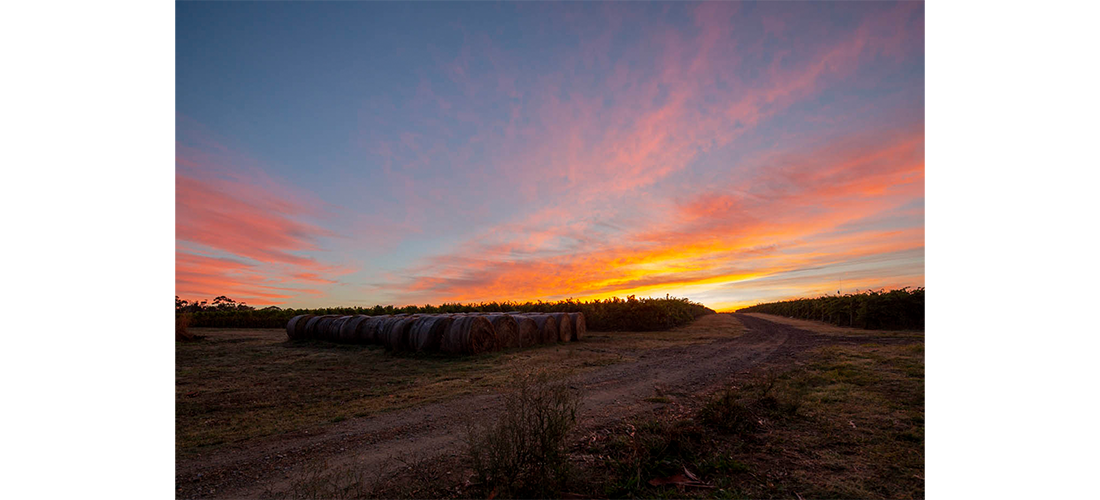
840 422
847 424
236 385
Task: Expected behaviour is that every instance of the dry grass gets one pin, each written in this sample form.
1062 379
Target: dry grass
849 423
237 385
522 453
827 329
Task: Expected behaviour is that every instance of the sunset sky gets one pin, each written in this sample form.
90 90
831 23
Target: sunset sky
353 154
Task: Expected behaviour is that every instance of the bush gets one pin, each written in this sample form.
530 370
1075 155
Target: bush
523 453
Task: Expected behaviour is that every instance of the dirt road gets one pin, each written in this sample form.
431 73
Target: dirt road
612 393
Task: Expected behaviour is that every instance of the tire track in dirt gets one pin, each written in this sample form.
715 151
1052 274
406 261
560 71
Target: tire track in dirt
610 394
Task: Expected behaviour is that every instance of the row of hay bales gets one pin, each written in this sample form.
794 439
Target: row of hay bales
460 333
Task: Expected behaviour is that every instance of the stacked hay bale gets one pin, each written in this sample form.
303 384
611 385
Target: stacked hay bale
469 335
459 333
348 333
296 327
427 333
395 332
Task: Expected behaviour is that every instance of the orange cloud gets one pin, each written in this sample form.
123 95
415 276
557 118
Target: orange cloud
800 211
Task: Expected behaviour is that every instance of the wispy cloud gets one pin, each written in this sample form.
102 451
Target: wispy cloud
796 212
238 231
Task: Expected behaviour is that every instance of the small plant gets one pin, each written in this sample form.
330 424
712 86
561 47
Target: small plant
742 412
319 481
523 453
730 414
649 450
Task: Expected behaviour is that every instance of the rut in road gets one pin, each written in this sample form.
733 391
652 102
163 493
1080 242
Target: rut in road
610 394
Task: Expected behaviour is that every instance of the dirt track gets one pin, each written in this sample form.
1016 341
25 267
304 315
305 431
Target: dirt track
610 394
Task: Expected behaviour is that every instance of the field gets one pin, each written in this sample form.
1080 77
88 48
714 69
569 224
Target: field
752 406
239 384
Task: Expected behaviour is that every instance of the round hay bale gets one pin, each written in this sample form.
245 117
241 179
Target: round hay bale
468 335
310 325
548 327
507 330
394 332
527 331
348 332
427 332
313 326
295 328
565 326
382 330
335 327
579 328
365 332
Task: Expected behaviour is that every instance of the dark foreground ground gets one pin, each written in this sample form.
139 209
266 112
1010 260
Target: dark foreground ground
732 406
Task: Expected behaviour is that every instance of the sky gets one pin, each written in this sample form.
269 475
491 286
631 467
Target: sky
353 154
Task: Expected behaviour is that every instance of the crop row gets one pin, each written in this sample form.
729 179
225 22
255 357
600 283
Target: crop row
901 309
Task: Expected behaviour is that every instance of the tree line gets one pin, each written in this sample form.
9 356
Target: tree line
629 314
901 309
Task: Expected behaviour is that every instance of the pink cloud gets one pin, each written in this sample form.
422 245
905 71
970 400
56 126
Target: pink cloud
239 232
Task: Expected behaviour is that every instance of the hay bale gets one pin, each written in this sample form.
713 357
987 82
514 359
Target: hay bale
296 327
506 329
468 335
565 326
383 328
335 327
579 328
548 327
527 332
427 332
348 332
395 331
367 331
313 326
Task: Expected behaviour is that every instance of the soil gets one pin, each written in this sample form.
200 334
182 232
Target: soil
381 443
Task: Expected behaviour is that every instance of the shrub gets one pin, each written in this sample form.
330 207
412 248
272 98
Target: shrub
523 453
651 449
742 412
